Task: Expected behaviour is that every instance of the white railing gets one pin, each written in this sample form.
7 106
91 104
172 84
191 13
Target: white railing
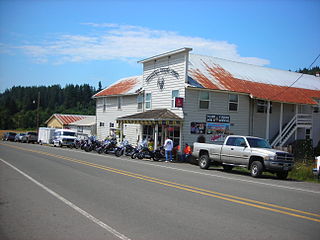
298 121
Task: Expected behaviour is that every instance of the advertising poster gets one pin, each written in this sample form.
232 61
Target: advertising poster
198 128
219 131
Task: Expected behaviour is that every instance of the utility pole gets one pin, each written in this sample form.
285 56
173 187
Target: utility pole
38 105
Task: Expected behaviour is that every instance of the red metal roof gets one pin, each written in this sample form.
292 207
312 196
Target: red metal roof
123 86
217 78
66 118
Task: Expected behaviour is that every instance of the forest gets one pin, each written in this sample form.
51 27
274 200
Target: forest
20 108
24 107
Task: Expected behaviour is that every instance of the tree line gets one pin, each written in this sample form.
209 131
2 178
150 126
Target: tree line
20 108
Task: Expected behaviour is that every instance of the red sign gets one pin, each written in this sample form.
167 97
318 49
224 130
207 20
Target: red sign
179 102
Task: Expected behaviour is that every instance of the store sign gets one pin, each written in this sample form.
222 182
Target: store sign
159 75
178 102
162 71
218 118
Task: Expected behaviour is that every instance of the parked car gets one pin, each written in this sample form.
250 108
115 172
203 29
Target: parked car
30 137
18 137
9 136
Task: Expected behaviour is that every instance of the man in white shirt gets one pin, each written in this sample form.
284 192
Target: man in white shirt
168 146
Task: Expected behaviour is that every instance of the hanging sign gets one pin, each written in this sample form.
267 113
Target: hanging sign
178 102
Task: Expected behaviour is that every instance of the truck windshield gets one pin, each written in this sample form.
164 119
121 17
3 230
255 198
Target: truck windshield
258 143
72 134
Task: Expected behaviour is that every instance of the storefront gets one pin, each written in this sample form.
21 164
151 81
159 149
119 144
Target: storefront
156 125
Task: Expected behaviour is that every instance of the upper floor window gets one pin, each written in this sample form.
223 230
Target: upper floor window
119 99
148 100
262 106
140 101
204 100
174 94
233 102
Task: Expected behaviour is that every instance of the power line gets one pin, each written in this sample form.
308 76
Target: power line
297 78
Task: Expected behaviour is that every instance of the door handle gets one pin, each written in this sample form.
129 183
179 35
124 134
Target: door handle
232 149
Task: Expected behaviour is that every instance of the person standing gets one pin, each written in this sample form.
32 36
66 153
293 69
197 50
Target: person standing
168 145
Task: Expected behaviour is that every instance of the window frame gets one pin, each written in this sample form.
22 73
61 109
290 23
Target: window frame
262 106
204 100
233 102
140 100
148 101
174 97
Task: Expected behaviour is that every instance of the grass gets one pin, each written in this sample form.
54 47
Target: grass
303 172
300 172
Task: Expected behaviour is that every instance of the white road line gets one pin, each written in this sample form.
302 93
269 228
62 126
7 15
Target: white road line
70 204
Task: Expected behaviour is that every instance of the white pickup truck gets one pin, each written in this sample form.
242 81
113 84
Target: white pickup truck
252 153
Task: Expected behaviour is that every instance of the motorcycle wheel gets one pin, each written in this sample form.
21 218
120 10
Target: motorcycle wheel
134 155
118 153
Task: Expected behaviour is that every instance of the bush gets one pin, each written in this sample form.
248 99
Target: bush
303 150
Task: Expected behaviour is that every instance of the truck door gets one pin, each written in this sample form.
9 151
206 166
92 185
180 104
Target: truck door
236 151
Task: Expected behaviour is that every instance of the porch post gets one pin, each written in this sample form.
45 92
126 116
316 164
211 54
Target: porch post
280 122
296 132
268 121
156 128
121 131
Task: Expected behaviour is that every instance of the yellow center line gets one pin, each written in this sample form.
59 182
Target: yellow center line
204 192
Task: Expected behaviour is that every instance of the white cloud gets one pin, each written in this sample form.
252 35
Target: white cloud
128 43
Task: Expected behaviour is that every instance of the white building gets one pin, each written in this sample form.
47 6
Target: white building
191 97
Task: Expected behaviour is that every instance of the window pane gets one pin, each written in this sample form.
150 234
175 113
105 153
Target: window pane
148 96
233 98
233 106
175 93
204 104
148 105
204 96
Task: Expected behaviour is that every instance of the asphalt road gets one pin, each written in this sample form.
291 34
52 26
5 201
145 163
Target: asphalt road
58 193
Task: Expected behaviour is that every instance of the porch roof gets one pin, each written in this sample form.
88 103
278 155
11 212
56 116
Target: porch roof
152 116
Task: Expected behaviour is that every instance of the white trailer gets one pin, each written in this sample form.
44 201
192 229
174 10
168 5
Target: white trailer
45 135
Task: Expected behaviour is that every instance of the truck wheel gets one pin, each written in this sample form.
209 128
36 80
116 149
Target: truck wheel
204 161
227 168
282 175
256 169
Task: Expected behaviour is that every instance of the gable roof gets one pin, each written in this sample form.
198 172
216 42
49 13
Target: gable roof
259 82
87 121
124 86
66 119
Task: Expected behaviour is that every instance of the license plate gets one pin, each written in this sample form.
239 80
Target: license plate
285 168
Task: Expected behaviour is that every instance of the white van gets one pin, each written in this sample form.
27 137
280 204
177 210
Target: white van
64 137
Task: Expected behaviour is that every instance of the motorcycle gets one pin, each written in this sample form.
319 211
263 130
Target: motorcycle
110 146
145 152
124 148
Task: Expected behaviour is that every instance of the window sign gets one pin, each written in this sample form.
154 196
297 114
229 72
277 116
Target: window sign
198 128
218 118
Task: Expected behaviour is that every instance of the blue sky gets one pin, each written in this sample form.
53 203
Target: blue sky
86 41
